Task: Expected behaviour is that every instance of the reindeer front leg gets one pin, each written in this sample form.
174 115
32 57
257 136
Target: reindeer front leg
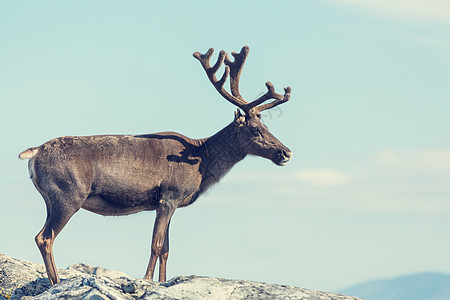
164 255
163 214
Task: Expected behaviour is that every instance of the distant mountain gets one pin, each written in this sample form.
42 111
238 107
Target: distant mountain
425 286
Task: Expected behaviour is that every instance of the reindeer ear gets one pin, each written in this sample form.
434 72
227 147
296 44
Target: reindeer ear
237 114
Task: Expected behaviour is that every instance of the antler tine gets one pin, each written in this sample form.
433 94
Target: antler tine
204 58
236 69
271 94
211 73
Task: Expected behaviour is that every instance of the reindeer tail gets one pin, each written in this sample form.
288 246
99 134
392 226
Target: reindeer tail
29 153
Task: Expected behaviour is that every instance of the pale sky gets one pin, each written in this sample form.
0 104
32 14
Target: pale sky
367 194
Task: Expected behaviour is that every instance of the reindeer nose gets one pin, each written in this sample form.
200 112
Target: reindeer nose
287 154
284 156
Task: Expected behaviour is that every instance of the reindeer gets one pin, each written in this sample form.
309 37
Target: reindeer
115 175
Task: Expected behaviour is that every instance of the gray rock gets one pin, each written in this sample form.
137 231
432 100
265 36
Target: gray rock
25 280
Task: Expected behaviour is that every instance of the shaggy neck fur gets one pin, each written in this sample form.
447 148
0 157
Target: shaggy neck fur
219 154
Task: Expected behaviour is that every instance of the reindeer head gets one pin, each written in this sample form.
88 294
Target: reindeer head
252 135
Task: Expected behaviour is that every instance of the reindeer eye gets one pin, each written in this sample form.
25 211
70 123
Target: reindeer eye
256 131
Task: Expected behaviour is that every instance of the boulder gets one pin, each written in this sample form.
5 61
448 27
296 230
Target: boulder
20 279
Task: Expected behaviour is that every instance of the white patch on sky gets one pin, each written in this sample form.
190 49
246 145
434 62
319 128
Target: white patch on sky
415 10
430 159
438 42
326 177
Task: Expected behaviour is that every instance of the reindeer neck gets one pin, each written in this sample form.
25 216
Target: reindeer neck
220 153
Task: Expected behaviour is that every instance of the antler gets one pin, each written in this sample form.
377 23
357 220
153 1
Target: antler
234 69
211 73
279 99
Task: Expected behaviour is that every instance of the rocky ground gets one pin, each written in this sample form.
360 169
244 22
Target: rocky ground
20 279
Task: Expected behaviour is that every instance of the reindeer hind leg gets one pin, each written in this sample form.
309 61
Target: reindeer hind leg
58 214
